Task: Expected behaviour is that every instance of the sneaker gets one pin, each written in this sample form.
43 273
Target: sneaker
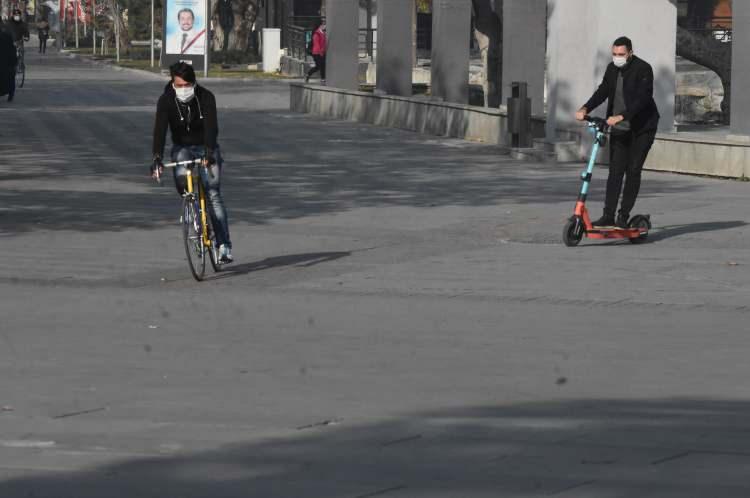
225 254
604 221
307 78
323 82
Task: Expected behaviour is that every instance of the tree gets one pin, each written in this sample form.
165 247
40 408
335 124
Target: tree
234 25
488 32
700 46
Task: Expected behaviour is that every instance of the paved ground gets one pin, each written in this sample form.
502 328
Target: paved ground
402 319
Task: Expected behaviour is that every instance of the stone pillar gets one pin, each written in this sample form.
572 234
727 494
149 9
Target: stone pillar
581 33
740 114
342 59
524 51
451 29
394 57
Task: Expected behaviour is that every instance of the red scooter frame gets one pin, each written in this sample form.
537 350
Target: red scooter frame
579 225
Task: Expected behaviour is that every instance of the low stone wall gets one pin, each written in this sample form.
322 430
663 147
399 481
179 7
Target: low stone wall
700 155
692 153
411 113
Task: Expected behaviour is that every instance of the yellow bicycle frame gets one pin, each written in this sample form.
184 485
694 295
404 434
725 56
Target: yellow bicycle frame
202 200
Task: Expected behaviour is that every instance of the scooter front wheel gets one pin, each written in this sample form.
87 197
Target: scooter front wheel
573 231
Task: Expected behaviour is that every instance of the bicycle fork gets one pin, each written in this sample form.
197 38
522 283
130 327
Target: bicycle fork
202 203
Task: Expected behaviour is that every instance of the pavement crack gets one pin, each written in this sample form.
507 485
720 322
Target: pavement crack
322 423
82 412
402 440
383 491
571 487
676 456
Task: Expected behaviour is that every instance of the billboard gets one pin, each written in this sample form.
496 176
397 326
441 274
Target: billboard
185 27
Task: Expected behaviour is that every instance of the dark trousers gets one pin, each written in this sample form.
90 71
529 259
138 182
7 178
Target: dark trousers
42 45
628 154
320 65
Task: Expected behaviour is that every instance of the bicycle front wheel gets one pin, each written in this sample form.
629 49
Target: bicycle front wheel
20 75
192 234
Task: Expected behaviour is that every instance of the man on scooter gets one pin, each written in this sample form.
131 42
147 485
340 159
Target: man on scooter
628 87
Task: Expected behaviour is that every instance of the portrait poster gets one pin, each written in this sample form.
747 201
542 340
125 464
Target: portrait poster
185 27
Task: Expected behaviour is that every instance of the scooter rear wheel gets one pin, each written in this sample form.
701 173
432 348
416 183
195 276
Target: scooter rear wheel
573 231
644 224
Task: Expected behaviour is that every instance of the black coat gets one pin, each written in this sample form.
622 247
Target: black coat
8 61
638 89
194 123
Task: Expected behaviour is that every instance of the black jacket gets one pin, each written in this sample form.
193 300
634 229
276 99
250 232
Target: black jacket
638 89
8 61
194 123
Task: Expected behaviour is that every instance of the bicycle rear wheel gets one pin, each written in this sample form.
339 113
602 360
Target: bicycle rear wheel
213 251
192 234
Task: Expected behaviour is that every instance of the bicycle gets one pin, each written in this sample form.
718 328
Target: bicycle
197 228
21 66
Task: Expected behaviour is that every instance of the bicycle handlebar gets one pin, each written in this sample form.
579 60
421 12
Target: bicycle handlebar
183 163
191 162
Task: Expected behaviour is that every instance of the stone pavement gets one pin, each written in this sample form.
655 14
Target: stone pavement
402 319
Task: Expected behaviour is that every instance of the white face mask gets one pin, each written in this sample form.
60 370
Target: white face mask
185 94
620 61
16 18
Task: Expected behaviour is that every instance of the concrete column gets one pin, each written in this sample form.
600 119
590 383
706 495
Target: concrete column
740 117
581 33
342 59
524 53
451 29
394 57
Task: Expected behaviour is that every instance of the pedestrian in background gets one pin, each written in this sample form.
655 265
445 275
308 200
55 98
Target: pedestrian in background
319 49
42 29
8 62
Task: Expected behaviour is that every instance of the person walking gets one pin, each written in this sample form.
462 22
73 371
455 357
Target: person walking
319 49
42 29
628 86
8 62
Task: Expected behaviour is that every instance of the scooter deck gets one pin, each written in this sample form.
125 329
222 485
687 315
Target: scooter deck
614 233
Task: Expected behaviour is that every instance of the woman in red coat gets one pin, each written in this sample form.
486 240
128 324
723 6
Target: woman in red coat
319 48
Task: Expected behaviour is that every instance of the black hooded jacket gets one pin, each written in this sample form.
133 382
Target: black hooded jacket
638 90
191 123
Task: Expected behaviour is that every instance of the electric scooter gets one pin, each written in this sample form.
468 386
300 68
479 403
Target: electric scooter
579 225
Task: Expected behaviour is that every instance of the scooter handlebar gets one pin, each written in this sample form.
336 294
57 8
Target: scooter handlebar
596 122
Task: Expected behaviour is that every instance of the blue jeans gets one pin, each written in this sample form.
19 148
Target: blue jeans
212 186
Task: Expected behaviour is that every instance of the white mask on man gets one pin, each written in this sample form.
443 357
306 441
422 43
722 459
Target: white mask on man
620 61
16 18
185 94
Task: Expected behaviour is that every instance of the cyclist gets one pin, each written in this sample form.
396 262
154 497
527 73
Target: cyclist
189 111
19 29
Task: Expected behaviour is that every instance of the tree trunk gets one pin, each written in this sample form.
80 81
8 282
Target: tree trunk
705 50
488 29
239 37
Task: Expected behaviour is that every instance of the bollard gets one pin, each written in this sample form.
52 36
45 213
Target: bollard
519 116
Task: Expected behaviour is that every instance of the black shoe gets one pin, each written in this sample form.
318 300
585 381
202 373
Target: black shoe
604 221
622 220
307 78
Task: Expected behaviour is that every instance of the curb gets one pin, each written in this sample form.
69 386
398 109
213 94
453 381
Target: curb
112 65
160 77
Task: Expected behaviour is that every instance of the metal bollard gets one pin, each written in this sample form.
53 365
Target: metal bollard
519 116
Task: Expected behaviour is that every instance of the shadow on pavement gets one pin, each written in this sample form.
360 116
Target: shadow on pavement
297 260
598 448
666 232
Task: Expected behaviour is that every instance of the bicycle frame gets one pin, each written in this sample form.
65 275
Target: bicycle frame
191 191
